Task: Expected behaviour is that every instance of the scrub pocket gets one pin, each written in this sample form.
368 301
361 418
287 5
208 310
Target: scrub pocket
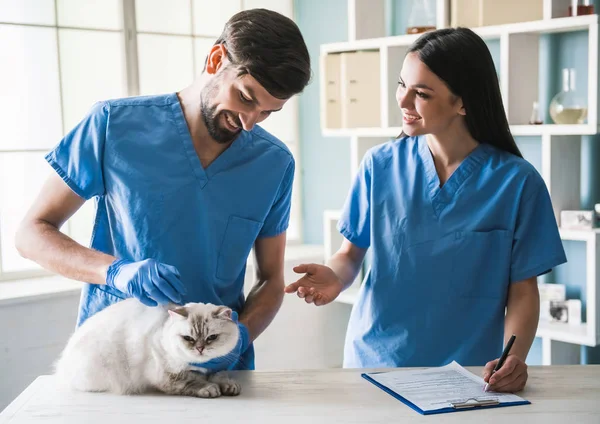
238 240
482 263
96 300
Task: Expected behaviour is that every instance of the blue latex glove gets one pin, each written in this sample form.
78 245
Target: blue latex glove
227 362
149 281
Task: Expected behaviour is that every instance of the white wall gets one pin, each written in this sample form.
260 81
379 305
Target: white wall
301 335
33 332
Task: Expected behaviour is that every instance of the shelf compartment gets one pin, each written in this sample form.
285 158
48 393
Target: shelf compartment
545 26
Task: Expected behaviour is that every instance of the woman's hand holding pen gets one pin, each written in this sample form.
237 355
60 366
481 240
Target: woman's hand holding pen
511 377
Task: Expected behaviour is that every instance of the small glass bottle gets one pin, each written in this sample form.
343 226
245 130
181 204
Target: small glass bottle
422 17
568 106
535 119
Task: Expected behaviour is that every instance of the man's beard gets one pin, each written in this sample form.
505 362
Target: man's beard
212 118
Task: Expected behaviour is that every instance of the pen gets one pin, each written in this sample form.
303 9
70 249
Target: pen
502 358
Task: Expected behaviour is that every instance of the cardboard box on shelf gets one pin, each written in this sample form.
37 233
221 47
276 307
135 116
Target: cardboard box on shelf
478 13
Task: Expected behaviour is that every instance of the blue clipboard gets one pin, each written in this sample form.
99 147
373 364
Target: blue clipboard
464 405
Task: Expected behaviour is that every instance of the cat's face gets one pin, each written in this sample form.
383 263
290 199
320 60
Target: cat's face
201 332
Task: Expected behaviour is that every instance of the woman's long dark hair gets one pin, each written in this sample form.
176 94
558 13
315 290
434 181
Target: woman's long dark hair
461 59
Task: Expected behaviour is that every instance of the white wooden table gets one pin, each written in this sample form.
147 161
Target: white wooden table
559 394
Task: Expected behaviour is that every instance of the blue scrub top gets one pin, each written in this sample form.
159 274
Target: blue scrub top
442 258
154 199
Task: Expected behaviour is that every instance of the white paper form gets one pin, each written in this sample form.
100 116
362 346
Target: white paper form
436 388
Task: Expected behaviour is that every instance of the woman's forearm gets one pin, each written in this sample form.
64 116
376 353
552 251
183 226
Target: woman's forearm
346 263
522 316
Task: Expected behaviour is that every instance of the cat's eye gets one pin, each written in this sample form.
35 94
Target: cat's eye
188 339
211 338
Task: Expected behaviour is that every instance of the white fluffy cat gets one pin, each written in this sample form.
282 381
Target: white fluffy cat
131 348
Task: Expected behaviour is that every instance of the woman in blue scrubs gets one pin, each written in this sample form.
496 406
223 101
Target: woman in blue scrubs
458 223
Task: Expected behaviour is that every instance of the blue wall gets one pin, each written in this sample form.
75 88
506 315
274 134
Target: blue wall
325 161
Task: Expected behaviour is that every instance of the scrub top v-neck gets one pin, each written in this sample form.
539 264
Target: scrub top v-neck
442 257
220 164
154 199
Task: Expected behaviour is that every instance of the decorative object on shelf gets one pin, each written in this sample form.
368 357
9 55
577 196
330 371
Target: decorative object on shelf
578 220
581 7
567 311
568 106
554 305
552 291
422 17
535 119
478 13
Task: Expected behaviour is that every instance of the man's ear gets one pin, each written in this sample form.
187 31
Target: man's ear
216 58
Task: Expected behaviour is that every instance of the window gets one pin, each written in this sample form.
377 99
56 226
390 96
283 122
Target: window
64 55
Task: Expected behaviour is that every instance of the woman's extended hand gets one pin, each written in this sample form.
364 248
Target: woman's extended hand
320 285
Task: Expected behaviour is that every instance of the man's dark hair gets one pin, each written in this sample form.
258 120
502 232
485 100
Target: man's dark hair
269 47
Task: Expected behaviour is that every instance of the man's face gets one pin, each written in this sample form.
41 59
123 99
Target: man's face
229 103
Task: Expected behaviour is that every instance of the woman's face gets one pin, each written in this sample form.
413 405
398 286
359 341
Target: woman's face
428 106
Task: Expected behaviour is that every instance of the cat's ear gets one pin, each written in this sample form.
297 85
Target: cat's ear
222 312
178 312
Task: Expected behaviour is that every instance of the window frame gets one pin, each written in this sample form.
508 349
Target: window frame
130 34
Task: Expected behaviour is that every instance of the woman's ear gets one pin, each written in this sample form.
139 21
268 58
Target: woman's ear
216 58
461 107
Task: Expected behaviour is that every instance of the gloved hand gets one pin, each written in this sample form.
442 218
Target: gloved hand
149 281
227 362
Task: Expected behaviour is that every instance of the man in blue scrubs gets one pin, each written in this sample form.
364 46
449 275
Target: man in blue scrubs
184 184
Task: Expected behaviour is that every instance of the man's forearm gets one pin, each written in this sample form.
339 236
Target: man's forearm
262 304
522 316
44 244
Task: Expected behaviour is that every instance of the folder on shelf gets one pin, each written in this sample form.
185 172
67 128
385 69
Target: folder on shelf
450 388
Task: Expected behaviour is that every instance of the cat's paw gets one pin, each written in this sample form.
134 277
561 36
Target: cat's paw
210 390
230 387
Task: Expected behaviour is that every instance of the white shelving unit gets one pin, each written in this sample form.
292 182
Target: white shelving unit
560 342
519 55
519 73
